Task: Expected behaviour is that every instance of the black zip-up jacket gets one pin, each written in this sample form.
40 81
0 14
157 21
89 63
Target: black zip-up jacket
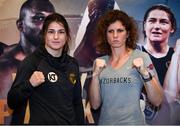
56 101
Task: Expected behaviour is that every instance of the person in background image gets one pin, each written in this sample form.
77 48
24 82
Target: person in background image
86 52
49 79
31 17
172 85
158 24
118 76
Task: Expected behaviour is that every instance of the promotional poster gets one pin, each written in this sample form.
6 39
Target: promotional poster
19 37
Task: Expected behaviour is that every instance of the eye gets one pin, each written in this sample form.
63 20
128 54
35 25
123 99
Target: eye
110 31
164 22
50 31
62 31
151 20
38 18
120 30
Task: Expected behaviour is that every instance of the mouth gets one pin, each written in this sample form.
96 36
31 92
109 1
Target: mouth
156 33
55 42
115 41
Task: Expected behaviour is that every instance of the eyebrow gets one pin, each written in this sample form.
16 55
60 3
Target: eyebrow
58 29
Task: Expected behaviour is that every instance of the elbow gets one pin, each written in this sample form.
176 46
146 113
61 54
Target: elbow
10 106
10 103
158 100
95 106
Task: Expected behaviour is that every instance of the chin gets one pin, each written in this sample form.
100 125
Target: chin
56 48
156 39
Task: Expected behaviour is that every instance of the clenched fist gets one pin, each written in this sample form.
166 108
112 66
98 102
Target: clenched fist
37 78
138 63
99 65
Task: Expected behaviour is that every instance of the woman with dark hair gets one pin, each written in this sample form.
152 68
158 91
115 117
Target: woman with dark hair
119 76
158 24
49 79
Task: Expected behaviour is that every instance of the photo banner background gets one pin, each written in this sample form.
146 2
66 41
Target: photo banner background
74 10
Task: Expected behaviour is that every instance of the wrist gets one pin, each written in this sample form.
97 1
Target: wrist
143 71
147 77
95 74
145 74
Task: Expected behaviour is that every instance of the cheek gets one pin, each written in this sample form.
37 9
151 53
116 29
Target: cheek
167 29
63 38
147 28
48 39
109 37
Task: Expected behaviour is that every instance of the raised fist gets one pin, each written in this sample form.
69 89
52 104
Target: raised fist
138 63
37 78
99 65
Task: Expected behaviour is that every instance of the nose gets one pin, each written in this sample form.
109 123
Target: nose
115 34
56 35
157 25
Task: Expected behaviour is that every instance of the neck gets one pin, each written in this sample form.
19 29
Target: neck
54 53
157 46
119 58
120 53
157 49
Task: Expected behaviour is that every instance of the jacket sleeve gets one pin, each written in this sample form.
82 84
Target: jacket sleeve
21 88
78 106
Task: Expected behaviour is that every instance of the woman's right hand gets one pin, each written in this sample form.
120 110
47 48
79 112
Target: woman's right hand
37 78
99 65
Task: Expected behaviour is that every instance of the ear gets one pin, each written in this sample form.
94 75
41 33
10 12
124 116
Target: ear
144 29
144 25
19 25
172 31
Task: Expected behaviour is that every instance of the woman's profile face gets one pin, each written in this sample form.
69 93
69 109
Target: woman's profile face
158 26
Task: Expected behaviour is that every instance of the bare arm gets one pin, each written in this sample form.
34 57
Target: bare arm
170 82
94 88
154 91
95 97
172 79
152 85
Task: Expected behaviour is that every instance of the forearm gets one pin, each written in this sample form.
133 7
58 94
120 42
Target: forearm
171 80
94 92
154 91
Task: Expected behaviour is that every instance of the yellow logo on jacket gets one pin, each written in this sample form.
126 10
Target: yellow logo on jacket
72 78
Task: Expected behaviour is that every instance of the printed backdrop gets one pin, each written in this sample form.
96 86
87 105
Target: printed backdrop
76 13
